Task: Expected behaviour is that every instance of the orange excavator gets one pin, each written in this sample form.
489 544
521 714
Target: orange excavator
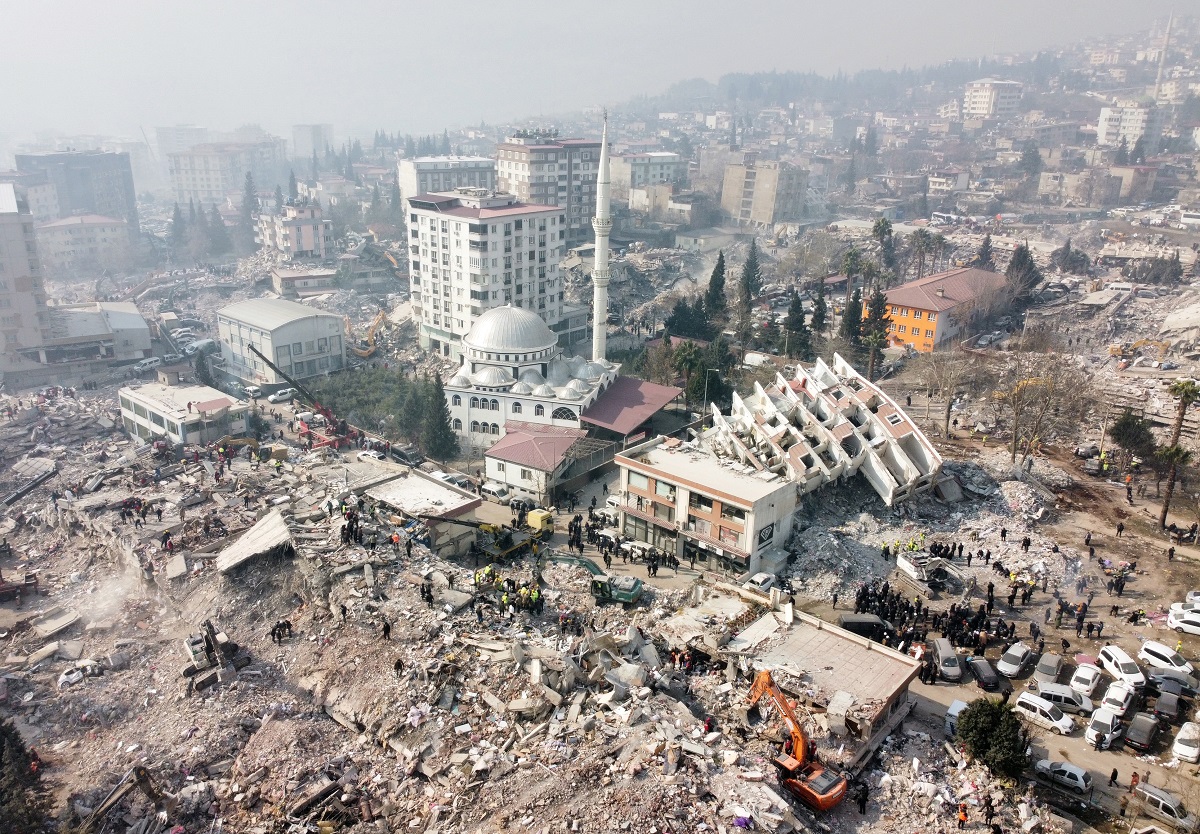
817 786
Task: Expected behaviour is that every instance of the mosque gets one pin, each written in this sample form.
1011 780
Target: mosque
513 369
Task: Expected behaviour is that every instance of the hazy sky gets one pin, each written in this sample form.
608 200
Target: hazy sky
113 66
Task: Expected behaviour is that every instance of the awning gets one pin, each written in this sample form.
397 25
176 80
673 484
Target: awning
628 403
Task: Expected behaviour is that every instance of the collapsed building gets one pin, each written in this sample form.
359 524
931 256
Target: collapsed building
727 496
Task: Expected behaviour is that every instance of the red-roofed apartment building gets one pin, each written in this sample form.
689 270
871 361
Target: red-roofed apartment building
939 308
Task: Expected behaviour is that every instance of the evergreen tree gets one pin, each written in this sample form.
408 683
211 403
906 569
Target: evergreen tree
799 338
1070 260
293 186
439 440
851 176
178 230
316 168
191 211
445 141
218 235
993 734
984 258
396 205
278 199
820 311
1122 157
249 207
1022 273
376 207
875 329
870 142
714 296
851 326
24 802
751 274
1138 155
1031 161
410 147
414 410
199 242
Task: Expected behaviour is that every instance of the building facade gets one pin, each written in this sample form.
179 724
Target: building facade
83 242
1128 124
298 232
433 174
474 250
538 167
992 98
181 413
176 138
37 192
88 182
931 311
630 171
210 173
311 139
23 312
301 341
762 193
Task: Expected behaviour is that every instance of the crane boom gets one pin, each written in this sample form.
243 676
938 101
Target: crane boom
304 392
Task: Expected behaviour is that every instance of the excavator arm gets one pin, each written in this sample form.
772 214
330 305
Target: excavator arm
137 778
465 522
764 684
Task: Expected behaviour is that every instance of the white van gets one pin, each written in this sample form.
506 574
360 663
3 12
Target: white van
492 491
1121 666
147 365
1065 698
1165 806
1044 714
946 659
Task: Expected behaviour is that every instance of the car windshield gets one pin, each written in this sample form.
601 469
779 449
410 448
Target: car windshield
950 662
1194 741
1128 668
1055 713
1047 666
1013 656
1101 724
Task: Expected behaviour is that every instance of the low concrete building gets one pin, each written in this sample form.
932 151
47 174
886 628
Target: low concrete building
298 231
532 459
726 499
300 340
181 413
415 493
298 283
95 332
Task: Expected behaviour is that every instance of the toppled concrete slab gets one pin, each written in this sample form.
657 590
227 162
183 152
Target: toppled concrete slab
54 621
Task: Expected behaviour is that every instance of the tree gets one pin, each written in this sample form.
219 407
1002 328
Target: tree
1022 273
1040 394
1122 157
714 296
191 210
395 205
851 326
1137 156
278 199
820 311
218 235
799 337
24 802
660 362
882 232
1186 391
1133 435
415 409
445 142
994 735
439 440
199 240
249 211
751 274
875 329
1070 260
852 267
316 168
851 175
687 359
1031 161
920 243
984 258
178 230
945 373
293 186
871 142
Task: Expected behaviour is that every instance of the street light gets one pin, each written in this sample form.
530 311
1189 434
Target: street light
716 371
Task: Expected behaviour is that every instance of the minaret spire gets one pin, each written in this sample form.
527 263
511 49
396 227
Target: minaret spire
602 225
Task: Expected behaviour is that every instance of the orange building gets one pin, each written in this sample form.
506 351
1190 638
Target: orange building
940 308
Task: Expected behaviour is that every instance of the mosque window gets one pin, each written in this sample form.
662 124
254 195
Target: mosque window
539 410
516 408
563 414
456 400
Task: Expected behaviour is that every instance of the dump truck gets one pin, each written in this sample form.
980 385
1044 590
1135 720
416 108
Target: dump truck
540 523
626 590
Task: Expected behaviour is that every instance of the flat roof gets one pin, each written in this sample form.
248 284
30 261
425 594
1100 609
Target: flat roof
627 403
82 220
269 313
714 475
172 400
417 495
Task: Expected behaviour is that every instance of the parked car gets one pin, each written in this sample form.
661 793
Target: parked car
1165 806
458 480
370 454
760 582
1014 661
983 673
1118 697
1065 774
148 364
1142 730
1048 668
1103 729
1120 665
252 391
172 358
283 395
1187 743
1185 622
1086 678
1169 680
1185 607
1192 596
1042 713
1160 656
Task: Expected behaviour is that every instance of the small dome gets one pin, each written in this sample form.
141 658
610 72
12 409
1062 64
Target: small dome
509 330
559 372
543 390
492 377
576 363
459 381
592 370
569 394
579 385
521 388
533 376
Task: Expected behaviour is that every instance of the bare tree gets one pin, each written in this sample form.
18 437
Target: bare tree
945 374
1038 395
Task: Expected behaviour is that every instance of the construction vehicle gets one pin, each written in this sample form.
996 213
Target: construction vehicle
540 523
236 442
137 777
26 587
208 652
801 775
495 541
339 428
365 348
626 590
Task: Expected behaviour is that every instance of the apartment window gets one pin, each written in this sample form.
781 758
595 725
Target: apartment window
638 480
916 314
700 502
526 475
516 408
665 489
933 316
903 329
904 312
456 400
928 334
297 349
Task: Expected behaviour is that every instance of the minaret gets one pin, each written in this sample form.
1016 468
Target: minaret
1162 58
602 225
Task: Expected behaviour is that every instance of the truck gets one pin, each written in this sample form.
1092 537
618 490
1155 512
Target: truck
497 542
409 455
626 590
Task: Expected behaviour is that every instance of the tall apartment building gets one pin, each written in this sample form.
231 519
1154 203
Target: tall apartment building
310 139
434 174
23 313
178 138
211 172
637 170
473 250
757 193
299 232
38 193
88 182
82 243
538 167
991 98
1130 121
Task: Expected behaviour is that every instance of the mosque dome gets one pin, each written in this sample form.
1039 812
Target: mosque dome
579 385
543 390
532 376
559 372
569 394
521 388
510 330
459 380
492 377
592 370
